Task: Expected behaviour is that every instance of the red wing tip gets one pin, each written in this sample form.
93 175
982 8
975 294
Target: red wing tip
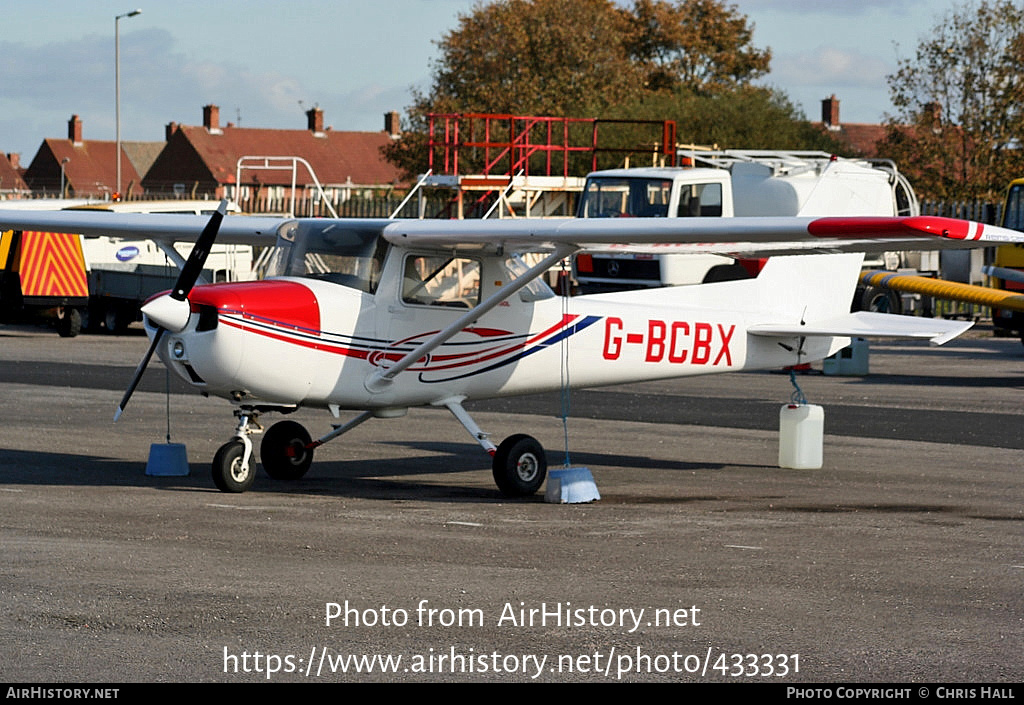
918 226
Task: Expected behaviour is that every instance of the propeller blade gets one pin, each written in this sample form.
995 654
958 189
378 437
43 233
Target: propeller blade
197 257
138 374
186 280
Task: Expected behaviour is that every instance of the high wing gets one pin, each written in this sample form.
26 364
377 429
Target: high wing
748 237
147 226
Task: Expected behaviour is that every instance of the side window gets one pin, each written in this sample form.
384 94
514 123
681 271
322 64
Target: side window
441 281
700 200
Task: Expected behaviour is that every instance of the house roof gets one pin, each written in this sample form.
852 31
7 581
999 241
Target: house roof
142 154
336 157
861 138
10 178
89 169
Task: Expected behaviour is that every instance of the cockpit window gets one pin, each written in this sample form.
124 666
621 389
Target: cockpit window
349 256
537 289
441 281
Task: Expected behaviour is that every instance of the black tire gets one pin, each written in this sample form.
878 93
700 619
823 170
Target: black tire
115 319
726 273
881 300
285 451
69 322
520 466
228 472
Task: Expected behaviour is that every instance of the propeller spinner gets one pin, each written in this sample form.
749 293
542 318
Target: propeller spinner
171 311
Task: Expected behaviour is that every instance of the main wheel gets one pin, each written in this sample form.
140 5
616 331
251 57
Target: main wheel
520 466
230 474
69 322
285 451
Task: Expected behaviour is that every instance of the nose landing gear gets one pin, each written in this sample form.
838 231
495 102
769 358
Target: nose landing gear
286 452
233 466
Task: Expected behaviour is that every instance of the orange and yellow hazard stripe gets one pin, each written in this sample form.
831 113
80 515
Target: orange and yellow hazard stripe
52 264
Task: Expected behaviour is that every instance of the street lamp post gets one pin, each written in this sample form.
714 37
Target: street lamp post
117 93
63 162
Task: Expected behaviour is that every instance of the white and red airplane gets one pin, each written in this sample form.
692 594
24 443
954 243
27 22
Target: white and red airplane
377 316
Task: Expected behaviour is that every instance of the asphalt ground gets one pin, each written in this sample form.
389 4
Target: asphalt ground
901 560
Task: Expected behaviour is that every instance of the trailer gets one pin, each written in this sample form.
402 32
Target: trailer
100 283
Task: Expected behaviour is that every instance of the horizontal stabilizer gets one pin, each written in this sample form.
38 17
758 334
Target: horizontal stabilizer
866 324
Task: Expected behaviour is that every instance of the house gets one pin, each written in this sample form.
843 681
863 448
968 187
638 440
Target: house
75 167
203 161
12 185
860 138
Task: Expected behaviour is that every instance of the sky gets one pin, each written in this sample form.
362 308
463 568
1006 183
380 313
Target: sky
265 62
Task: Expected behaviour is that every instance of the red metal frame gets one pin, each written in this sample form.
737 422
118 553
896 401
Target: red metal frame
541 146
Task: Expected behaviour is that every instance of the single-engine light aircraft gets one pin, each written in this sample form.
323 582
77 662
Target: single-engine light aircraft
376 316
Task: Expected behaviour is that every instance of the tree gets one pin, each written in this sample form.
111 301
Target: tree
546 57
681 60
701 45
959 121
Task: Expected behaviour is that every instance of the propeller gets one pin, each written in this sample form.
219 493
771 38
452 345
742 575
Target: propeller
171 311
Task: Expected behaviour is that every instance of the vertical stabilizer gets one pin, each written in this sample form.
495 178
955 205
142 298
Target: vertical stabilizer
808 288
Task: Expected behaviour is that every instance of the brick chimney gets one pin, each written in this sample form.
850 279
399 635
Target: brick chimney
15 159
211 118
830 112
392 124
169 131
75 129
315 120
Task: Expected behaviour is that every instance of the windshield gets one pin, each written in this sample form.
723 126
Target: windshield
346 255
1014 217
619 197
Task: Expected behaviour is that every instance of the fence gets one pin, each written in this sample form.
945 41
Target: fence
979 211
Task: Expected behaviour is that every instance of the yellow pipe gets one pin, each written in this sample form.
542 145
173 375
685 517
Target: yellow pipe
941 289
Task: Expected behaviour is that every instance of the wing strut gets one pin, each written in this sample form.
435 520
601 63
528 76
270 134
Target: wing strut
382 377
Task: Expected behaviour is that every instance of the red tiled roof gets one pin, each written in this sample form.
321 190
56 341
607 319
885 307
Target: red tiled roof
861 137
10 179
90 168
336 157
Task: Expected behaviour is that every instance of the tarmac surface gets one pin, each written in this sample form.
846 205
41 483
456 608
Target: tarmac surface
901 560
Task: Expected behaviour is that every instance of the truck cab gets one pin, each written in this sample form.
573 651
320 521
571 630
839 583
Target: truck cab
1007 271
726 184
656 193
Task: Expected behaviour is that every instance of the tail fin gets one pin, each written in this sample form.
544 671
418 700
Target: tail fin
808 288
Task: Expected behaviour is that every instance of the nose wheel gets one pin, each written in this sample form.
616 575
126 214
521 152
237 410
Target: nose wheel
233 469
286 452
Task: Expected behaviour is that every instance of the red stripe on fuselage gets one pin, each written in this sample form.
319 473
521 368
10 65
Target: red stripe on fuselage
322 347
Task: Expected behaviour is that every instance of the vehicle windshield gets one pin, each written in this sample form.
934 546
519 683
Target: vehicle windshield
346 255
620 197
610 197
1014 217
